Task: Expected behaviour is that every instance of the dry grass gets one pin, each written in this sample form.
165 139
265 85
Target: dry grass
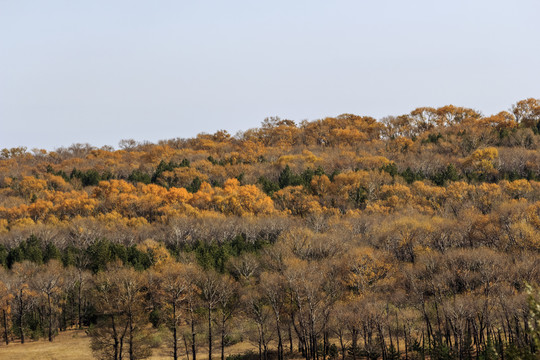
69 345
75 345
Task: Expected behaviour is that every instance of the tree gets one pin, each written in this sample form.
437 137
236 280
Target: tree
255 307
534 322
295 200
272 288
307 284
366 267
405 236
173 285
212 291
227 305
6 297
82 280
119 300
527 112
192 303
48 283
287 178
23 294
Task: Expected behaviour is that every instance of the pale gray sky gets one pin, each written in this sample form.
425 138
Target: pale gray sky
99 71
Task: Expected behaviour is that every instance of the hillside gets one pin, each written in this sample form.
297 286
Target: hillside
409 236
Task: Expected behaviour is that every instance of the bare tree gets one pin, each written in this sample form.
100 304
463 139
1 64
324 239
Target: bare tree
48 282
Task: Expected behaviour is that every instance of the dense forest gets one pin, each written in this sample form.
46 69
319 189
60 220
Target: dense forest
414 236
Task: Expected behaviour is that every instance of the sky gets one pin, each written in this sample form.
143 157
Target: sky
98 71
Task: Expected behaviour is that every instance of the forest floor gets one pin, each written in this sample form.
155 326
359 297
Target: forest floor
75 345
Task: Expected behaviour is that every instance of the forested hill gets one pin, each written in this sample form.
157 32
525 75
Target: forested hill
414 233
430 161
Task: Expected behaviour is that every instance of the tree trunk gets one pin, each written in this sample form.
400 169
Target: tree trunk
501 344
64 319
424 346
382 342
260 345
342 345
223 338
209 333
280 342
397 333
265 347
193 348
131 354
122 337
175 336
116 341
50 317
121 348
290 339
390 336
326 346
4 319
79 306
406 349
20 317
354 340
438 323
186 346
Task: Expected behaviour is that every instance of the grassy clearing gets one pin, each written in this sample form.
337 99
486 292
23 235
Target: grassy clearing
75 345
68 345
